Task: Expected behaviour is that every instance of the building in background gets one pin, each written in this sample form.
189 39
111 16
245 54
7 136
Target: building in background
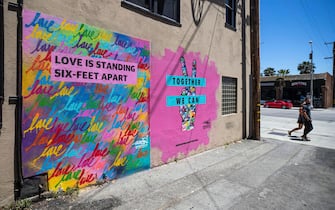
297 87
96 90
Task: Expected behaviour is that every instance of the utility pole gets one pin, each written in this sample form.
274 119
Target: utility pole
333 74
255 69
333 82
311 71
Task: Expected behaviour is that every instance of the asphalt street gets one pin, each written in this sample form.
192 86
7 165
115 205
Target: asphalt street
275 124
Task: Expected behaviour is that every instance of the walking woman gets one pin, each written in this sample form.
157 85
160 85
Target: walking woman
300 121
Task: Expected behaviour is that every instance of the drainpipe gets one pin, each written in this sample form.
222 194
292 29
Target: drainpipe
17 100
244 69
2 69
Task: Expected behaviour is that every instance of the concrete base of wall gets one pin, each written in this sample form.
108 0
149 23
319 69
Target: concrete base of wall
7 156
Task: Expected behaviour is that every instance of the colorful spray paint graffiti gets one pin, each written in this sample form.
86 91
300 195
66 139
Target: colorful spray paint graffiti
85 102
188 99
182 107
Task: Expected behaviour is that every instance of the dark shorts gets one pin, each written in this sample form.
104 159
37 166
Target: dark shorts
308 127
300 120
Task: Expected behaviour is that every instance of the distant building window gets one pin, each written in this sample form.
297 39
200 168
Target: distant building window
231 13
229 95
165 10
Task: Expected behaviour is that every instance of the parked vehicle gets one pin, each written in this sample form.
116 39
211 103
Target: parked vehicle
283 104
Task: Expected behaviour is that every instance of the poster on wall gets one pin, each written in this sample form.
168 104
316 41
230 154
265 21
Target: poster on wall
85 102
184 106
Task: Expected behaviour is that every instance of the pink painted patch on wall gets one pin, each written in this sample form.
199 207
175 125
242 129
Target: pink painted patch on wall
183 103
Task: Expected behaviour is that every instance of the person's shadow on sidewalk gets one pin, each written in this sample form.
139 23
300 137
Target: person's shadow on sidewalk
296 138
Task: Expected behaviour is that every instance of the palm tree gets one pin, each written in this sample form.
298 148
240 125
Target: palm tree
305 67
269 71
283 72
280 82
279 87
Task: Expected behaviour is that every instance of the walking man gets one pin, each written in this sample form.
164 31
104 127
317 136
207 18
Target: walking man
308 119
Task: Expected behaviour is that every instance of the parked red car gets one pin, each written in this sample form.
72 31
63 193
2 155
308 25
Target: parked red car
278 104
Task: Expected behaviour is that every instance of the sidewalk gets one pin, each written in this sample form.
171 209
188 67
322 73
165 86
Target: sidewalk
322 134
267 174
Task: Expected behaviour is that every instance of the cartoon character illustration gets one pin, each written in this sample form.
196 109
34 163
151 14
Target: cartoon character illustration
188 111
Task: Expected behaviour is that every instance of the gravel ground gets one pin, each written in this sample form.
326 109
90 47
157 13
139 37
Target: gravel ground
63 201
69 202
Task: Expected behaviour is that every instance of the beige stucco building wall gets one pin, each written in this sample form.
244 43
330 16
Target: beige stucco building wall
210 37
7 132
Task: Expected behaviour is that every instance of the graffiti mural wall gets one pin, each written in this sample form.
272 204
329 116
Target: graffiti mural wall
85 102
183 104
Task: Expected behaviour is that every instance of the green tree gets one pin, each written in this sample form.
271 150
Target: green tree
283 72
280 82
279 86
269 71
305 67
